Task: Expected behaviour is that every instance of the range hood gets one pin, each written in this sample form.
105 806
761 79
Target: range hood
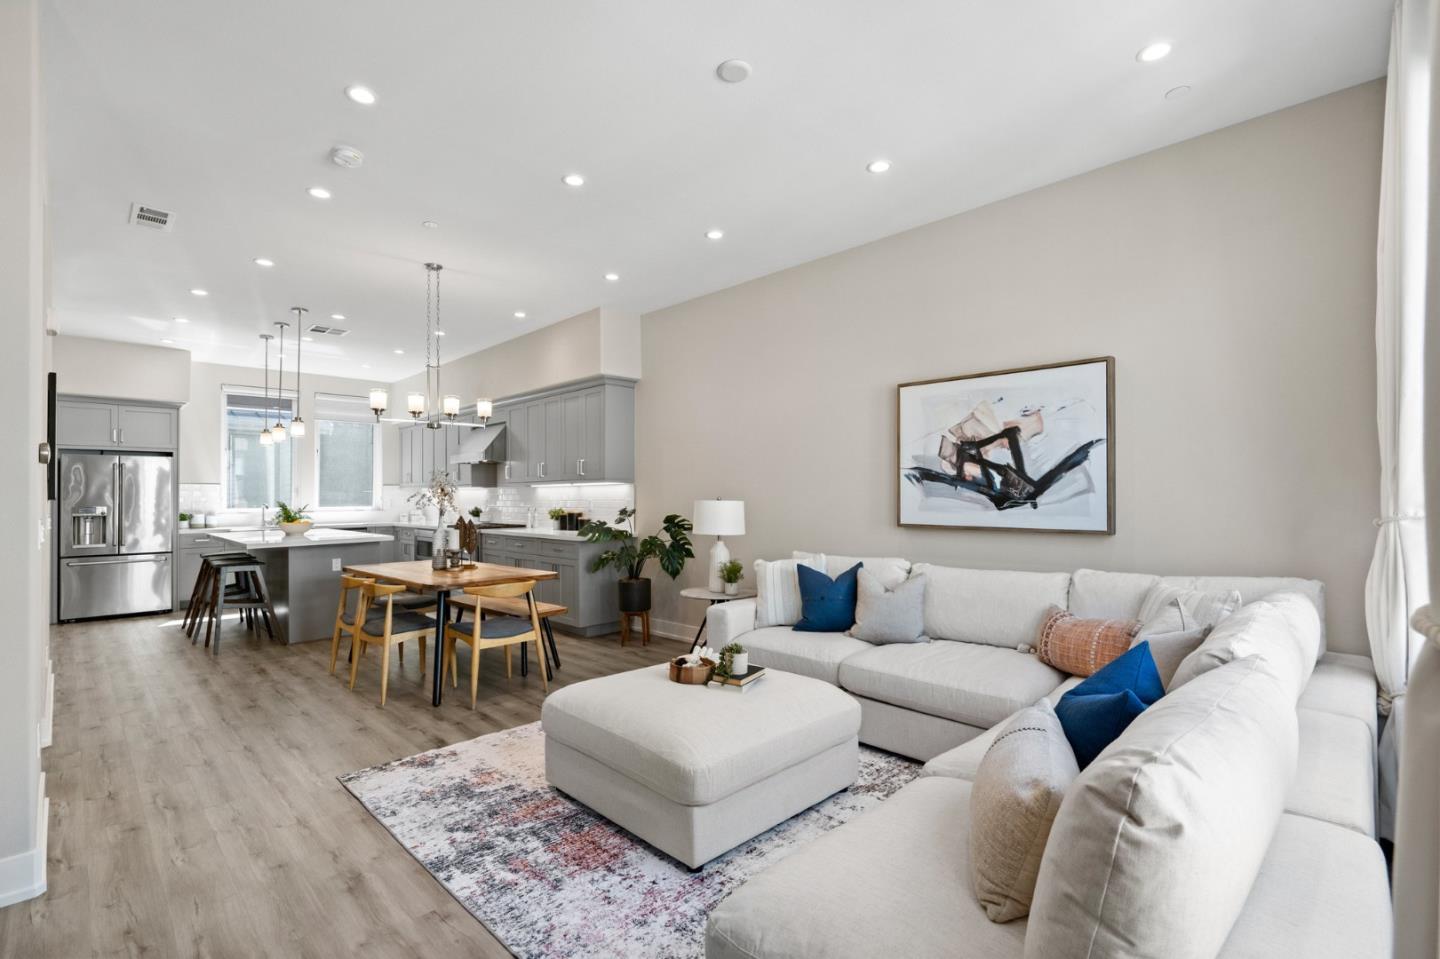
483 444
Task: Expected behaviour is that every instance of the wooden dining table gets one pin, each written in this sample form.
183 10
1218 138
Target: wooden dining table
421 577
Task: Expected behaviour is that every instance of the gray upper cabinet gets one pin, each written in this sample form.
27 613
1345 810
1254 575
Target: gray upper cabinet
97 424
585 432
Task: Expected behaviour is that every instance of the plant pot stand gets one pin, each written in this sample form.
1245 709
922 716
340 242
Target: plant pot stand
626 618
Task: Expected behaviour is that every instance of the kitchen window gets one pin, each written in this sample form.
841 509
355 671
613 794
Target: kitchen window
347 453
255 475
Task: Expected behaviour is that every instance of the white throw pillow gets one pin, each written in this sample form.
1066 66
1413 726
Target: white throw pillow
1175 609
890 570
1160 838
1283 630
1017 793
777 601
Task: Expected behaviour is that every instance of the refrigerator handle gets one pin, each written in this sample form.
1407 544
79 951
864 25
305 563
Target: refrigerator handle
119 504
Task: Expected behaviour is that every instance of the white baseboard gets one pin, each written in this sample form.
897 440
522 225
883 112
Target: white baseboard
670 629
22 876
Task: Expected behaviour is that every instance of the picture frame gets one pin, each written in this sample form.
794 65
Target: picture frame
1028 449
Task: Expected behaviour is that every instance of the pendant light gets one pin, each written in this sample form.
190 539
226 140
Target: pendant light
265 438
432 346
277 432
297 424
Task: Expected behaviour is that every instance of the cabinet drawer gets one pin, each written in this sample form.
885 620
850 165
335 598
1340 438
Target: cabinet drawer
512 544
204 542
563 550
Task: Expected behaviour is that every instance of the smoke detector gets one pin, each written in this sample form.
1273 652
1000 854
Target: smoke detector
347 157
151 218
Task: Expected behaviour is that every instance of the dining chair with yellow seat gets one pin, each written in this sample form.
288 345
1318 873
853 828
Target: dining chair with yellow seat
383 624
496 632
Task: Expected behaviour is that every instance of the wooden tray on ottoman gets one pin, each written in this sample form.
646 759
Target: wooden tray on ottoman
697 675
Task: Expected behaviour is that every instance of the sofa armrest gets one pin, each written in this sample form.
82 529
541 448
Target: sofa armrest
725 622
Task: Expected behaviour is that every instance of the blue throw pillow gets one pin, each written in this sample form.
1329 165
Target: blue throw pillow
827 605
1096 712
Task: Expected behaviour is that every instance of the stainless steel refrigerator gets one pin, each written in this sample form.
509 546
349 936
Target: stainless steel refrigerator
117 534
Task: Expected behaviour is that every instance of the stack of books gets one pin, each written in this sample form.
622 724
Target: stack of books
740 681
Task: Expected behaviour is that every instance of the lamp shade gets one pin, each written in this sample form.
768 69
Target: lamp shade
720 517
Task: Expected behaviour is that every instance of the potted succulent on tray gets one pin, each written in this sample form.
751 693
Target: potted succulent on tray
671 546
556 515
293 521
731 574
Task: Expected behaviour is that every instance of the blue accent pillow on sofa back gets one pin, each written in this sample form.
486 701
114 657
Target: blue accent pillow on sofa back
827 605
1096 712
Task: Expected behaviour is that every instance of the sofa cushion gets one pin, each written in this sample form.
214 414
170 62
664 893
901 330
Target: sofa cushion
891 570
893 882
1017 792
965 682
889 615
1096 594
627 722
1252 588
1335 774
1170 649
777 585
1173 609
1081 646
1322 893
817 655
990 606
1344 683
1158 841
963 761
1283 629
827 604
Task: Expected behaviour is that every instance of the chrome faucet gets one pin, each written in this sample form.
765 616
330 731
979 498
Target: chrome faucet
262 516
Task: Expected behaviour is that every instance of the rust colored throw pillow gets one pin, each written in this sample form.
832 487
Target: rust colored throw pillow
1081 646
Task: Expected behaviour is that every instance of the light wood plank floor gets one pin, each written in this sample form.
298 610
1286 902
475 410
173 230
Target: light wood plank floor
194 809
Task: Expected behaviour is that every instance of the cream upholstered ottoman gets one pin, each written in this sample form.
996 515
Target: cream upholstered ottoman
693 770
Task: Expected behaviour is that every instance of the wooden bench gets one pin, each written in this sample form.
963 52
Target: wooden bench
515 607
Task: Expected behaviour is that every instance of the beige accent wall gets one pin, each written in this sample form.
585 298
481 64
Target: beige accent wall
1232 276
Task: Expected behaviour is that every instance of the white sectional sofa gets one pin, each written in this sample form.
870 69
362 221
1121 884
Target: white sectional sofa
897 880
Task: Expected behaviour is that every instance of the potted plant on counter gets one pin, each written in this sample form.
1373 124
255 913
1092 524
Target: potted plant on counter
293 521
670 546
556 515
731 574
184 519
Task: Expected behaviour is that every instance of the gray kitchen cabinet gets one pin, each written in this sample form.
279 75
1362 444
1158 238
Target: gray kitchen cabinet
388 551
402 445
590 598
193 548
101 425
584 432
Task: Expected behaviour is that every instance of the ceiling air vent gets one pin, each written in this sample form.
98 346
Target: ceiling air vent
148 216
321 330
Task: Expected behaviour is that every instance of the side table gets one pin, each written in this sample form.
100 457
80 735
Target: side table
711 598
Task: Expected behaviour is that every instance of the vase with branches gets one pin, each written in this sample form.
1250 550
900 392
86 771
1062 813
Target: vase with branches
629 554
441 495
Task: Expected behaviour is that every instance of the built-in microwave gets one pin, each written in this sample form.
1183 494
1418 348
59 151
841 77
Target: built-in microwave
424 548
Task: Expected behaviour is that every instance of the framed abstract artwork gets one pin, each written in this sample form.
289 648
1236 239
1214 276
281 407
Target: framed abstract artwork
1026 449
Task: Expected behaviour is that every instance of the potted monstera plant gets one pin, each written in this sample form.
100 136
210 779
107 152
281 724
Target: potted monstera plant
670 546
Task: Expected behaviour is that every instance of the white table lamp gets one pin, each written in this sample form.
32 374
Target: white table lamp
719 518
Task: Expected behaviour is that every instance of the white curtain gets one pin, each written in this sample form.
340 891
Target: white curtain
1397 583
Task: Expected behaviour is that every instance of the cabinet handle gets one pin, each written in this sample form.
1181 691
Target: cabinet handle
507 469
114 435
122 436
580 466
542 469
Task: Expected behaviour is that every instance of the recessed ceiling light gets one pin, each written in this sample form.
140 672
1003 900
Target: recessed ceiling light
361 94
399 352
573 179
733 71
364 366
714 234
612 277
181 319
1175 93
337 316
263 261
429 224
439 332
308 339
519 314
199 292
1158 50
319 192
878 166
167 341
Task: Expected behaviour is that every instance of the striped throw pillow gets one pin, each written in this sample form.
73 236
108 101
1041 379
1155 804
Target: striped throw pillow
1081 646
777 602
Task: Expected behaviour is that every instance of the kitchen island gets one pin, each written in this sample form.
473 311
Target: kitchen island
303 572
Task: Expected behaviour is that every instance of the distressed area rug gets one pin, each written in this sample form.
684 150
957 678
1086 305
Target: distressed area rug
550 878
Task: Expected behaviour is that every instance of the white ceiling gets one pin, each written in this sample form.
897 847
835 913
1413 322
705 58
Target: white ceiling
224 114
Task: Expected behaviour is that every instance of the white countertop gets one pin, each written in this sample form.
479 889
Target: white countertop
566 535
275 539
